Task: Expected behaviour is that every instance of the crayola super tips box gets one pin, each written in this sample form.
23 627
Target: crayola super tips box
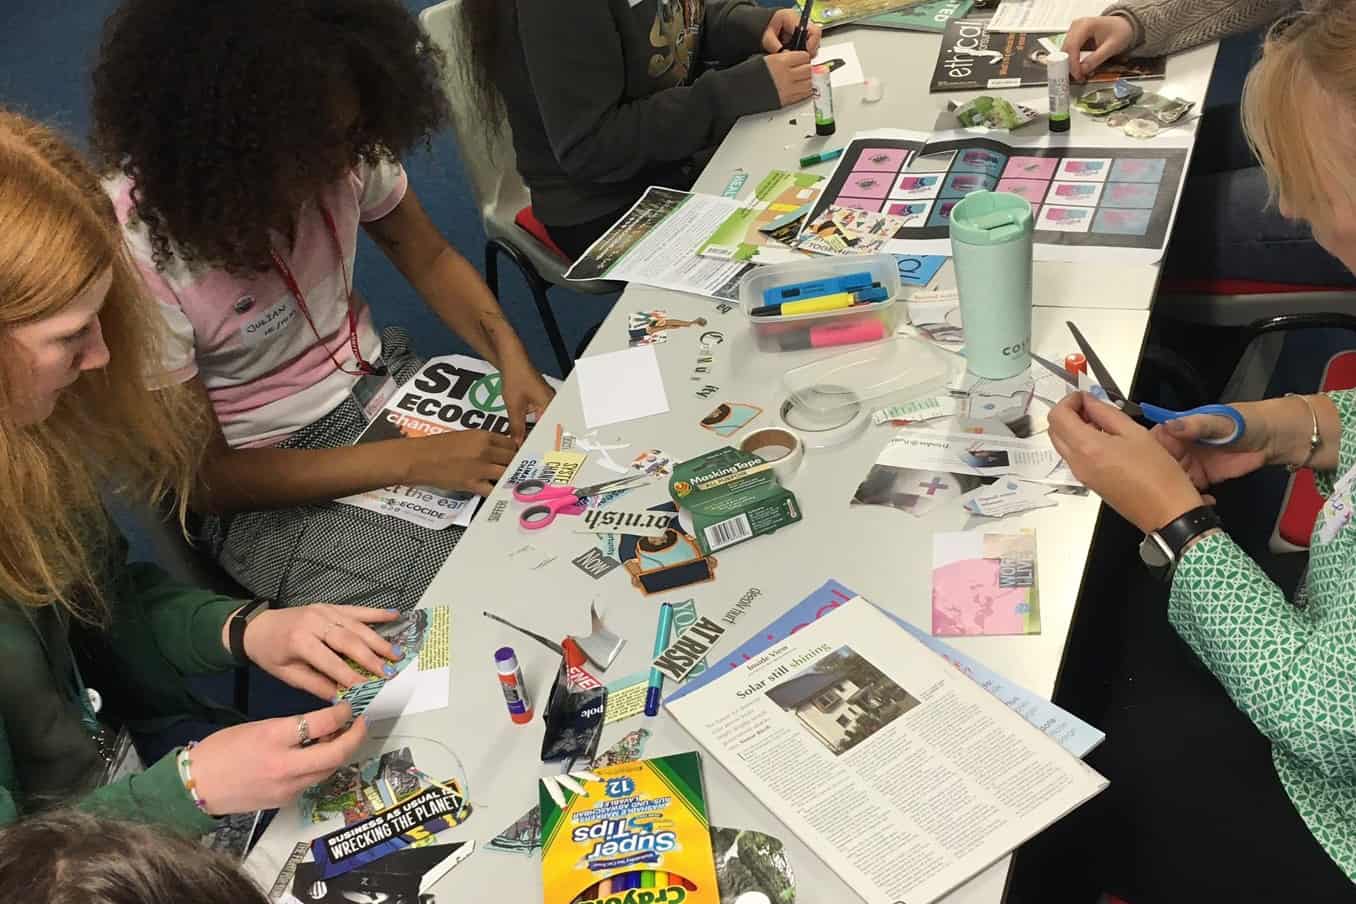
639 836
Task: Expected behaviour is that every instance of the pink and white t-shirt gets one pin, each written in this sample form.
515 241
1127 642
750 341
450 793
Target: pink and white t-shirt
247 337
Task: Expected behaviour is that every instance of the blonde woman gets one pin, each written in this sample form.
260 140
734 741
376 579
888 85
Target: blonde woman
94 648
1237 782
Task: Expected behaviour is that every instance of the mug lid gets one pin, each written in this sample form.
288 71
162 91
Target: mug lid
990 218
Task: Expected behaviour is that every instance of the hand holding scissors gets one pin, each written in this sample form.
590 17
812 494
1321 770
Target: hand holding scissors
1142 410
546 500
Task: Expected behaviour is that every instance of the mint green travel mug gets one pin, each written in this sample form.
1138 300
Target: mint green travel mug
991 242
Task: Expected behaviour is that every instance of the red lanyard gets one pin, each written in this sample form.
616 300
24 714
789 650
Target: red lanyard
364 368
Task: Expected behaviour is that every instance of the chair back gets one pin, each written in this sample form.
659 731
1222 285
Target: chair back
487 154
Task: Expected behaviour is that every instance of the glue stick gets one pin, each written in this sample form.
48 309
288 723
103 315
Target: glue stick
512 684
1057 74
821 86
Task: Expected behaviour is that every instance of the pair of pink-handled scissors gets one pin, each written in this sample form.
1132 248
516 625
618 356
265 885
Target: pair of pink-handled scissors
546 500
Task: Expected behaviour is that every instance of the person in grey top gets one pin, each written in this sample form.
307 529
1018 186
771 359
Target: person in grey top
1225 228
607 97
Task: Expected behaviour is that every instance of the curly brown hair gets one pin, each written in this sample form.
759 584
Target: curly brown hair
227 114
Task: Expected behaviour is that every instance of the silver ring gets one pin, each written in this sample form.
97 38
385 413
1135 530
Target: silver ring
303 732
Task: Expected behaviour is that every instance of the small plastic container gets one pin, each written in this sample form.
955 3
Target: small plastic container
847 326
862 379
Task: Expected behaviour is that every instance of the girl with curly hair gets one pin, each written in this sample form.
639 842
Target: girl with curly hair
248 142
96 649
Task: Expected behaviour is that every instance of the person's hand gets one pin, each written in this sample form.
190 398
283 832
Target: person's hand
262 765
306 646
469 461
791 74
524 392
1105 36
1118 460
782 28
1210 465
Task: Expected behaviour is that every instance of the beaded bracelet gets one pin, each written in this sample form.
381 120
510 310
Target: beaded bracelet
185 765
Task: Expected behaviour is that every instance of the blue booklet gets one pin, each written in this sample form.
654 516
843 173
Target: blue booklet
1072 733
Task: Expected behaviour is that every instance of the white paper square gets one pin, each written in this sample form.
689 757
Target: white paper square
1084 169
620 386
1074 194
911 186
1065 219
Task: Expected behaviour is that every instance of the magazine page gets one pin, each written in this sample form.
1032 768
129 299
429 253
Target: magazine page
454 392
1072 733
904 776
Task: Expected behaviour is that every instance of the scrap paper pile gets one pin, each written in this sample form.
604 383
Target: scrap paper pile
391 813
984 583
422 673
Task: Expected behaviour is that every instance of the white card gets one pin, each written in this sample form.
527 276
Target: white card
1064 219
1083 169
1077 194
620 386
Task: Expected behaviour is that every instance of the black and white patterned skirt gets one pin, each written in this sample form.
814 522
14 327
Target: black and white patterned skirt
331 552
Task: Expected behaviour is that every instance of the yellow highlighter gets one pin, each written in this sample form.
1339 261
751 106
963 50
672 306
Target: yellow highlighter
823 303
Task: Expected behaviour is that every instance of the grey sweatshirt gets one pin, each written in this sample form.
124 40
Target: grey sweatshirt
606 97
1167 26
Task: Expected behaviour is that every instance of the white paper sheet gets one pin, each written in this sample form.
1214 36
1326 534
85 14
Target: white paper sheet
620 386
1042 15
850 73
1033 459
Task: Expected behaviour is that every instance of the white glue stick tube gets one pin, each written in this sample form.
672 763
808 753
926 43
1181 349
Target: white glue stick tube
1057 74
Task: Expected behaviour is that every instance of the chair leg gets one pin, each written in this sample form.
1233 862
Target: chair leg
539 288
492 267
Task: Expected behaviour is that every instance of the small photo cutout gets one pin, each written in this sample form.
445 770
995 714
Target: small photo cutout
941 214
1030 168
871 204
1138 169
1033 190
1083 169
1083 194
932 163
1122 221
882 160
867 185
958 185
979 160
913 186
1064 219
1130 194
913 213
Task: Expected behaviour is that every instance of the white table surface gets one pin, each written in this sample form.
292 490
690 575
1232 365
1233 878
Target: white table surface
881 553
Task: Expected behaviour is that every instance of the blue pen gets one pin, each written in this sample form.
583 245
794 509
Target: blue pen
848 282
661 643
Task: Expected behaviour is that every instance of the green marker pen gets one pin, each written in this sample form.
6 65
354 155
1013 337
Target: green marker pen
822 157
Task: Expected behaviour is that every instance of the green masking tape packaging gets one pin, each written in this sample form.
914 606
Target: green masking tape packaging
731 496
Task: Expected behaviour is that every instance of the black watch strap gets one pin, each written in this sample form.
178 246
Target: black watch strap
1188 527
239 621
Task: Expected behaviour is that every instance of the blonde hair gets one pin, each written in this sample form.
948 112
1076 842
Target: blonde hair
1299 110
58 235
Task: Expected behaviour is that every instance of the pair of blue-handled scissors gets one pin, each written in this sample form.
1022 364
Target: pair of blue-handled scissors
1142 410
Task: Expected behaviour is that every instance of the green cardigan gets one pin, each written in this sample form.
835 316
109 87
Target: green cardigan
160 632
1290 667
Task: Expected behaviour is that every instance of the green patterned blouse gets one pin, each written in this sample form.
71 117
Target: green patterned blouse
1290 667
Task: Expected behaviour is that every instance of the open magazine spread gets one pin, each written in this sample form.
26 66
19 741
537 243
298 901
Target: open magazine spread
906 777
455 392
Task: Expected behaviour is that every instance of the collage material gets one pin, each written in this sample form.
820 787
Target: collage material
893 191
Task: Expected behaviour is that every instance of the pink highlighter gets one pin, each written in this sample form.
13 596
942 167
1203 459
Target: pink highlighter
868 330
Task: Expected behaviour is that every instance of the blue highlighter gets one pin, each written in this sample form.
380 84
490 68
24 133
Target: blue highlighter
661 643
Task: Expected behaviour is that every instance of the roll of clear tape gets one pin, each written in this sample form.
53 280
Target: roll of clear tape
836 416
780 448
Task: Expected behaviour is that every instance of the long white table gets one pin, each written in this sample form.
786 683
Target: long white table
883 554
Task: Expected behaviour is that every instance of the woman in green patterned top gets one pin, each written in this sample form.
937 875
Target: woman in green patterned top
1211 810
